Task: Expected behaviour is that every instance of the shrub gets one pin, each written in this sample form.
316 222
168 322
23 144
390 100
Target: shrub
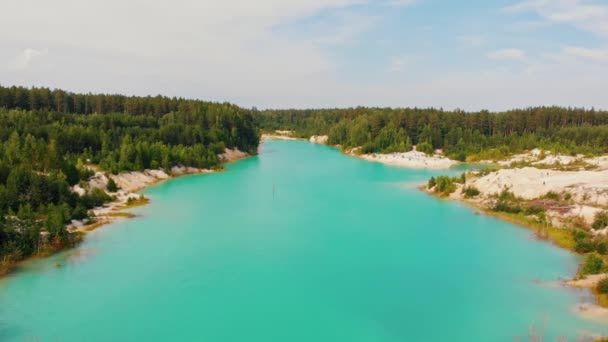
582 242
552 196
534 210
593 264
445 185
486 171
425 147
95 198
369 147
507 207
579 235
80 212
601 220
459 156
506 195
112 186
470 191
432 183
584 246
602 247
602 286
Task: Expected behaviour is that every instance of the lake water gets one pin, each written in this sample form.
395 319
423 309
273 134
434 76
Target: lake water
300 243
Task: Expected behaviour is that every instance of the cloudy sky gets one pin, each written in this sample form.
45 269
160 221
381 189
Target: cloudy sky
473 54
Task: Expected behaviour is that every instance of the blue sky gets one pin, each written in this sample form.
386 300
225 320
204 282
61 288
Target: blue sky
316 53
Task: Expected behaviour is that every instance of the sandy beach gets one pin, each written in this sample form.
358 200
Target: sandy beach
586 187
129 184
278 135
582 193
537 157
411 159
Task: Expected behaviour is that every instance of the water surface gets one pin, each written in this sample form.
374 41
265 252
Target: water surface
299 243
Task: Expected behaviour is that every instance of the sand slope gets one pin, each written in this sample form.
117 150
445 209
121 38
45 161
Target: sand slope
411 159
586 187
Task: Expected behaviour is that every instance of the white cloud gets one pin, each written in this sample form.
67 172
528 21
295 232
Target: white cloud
507 54
214 49
343 28
590 16
562 84
575 53
25 57
237 50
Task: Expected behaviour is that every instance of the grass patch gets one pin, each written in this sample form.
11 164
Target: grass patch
132 203
576 165
95 225
121 214
602 300
560 237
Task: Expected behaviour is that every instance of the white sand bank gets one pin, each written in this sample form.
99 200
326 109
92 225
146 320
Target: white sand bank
131 182
319 139
411 159
266 137
279 135
585 187
546 158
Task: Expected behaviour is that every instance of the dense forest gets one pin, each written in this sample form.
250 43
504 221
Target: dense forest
49 137
476 135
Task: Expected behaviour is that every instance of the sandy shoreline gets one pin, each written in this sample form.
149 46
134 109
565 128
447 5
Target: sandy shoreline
129 184
566 194
412 159
585 309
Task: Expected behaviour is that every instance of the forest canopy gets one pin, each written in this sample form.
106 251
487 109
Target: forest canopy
458 133
48 138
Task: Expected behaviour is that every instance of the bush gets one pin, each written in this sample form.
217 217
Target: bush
80 212
602 247
601 220
593 264
425 147
445 185
95 198
506 207
507 202
582 242
552 196
432 183
112 186
602 286
534 210
461 157
470 191
584 246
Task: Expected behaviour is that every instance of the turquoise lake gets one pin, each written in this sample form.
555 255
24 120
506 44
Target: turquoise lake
300 243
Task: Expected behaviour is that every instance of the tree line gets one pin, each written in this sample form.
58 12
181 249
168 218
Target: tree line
460 134
50 138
